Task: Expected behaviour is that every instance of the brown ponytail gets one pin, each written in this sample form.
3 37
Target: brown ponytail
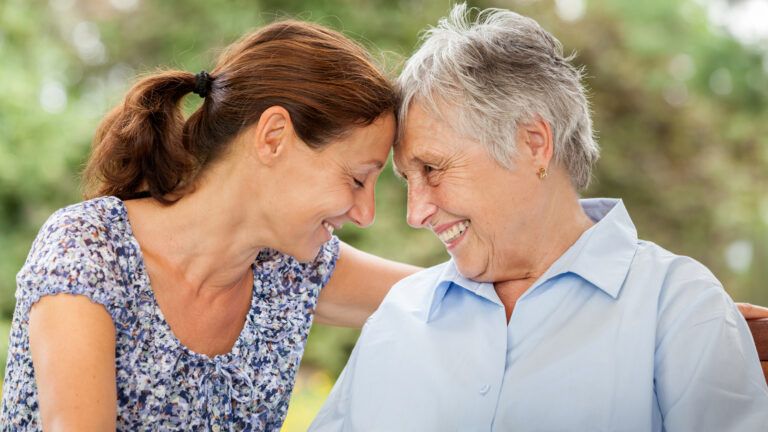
325 81
138 145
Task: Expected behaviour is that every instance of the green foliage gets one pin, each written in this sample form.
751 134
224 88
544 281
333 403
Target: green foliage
679 107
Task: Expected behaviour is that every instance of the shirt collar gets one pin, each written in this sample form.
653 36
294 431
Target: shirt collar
601 256
450 276
604 252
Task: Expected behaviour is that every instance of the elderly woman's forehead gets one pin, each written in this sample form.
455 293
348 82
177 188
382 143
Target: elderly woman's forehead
428 149
417 144
422 126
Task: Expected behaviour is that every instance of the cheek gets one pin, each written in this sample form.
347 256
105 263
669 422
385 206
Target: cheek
329 201
489 224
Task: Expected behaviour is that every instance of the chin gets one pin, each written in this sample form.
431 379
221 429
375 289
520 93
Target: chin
467 268
471 269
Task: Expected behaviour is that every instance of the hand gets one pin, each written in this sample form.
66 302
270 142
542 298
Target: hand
751 312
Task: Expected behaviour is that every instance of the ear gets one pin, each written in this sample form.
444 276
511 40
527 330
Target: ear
272 134
536 140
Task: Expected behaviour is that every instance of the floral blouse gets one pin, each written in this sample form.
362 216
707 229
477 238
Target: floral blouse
89 249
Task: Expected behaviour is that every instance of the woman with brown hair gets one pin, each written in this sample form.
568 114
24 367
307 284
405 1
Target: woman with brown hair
180 295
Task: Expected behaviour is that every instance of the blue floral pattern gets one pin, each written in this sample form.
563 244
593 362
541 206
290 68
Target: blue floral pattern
89 249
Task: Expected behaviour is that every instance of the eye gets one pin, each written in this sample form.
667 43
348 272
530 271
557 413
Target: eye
358 183
431 174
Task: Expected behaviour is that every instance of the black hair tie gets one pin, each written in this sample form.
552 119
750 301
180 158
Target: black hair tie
202 84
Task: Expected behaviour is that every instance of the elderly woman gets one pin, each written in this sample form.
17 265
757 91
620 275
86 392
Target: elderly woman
180 296
551 314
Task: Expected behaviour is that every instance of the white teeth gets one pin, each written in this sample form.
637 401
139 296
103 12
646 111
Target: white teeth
328 227
453 232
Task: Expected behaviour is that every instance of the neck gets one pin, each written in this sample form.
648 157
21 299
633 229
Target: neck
205 240
558 226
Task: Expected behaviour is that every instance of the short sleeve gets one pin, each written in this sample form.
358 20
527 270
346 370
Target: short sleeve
72 254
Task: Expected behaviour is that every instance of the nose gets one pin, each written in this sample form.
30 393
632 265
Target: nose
420 206
363 211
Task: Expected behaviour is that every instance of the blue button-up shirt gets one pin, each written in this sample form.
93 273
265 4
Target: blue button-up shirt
617 335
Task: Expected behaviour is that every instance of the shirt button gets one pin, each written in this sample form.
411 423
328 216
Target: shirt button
485 389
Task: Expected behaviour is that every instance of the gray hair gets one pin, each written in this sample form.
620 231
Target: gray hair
496 72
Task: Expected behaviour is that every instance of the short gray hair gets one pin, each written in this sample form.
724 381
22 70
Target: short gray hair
497 71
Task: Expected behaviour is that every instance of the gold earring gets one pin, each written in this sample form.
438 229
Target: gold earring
542 173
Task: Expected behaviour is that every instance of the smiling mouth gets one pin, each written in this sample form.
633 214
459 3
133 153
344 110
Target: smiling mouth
453 232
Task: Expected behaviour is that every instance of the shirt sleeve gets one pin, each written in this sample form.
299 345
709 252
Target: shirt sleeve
707 372
71 255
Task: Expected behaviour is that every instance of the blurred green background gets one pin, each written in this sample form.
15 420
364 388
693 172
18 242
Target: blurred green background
679 91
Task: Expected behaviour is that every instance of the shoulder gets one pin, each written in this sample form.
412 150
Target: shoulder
676 268
89 232
688 292
86 226
77 251
677 275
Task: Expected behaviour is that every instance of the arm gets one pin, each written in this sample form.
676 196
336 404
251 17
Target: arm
72 343
751 312
357 286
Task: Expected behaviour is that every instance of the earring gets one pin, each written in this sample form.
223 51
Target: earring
542 173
